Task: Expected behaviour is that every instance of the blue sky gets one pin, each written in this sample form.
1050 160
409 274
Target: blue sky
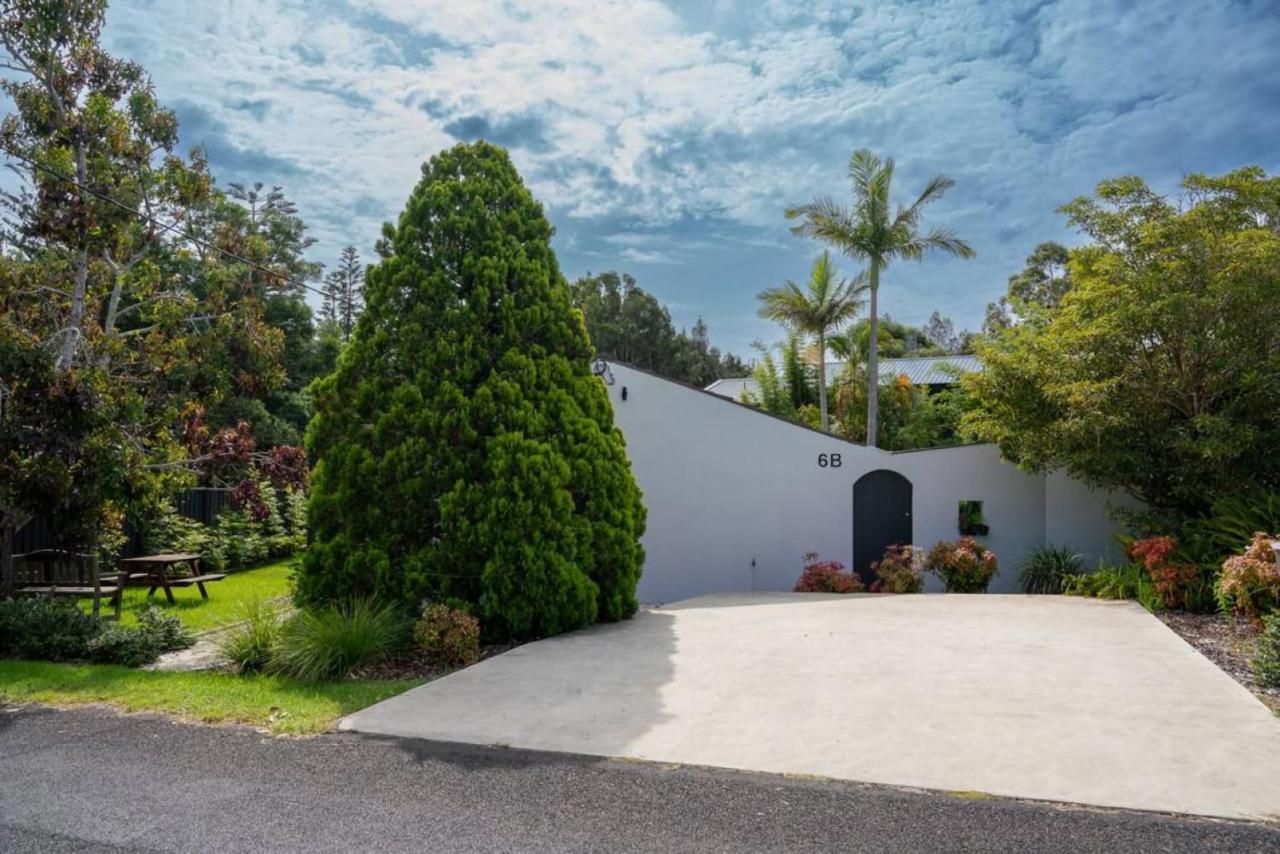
666 138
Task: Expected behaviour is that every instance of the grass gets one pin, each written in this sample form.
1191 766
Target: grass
225 602
284 706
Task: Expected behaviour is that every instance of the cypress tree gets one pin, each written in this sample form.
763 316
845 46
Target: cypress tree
462 446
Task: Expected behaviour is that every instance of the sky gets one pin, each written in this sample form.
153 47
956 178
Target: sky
665 139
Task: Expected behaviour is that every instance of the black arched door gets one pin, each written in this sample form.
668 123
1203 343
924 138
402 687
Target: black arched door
881 517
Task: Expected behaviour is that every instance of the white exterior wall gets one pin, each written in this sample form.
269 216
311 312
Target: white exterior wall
736 497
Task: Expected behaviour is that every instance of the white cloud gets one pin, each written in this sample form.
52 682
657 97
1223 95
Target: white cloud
700 123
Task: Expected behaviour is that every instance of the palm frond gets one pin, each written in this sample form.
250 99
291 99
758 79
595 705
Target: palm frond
943 239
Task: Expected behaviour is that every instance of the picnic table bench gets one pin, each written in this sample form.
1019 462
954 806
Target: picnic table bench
56 572
156 571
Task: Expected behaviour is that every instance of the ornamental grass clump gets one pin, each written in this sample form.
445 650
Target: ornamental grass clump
1048 569
1266 663
826 576
964 566
1249 584
331 642
899 571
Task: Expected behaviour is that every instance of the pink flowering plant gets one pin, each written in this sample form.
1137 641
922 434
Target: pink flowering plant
899 571
964 566
1249 584
826 576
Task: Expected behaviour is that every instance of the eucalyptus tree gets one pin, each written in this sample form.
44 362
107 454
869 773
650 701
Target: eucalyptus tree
824 306
868 231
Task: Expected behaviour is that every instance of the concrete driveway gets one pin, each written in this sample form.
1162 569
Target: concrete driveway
1026 696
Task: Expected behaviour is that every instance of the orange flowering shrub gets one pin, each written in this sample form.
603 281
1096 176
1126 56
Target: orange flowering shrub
826 576
1249 584
1169 577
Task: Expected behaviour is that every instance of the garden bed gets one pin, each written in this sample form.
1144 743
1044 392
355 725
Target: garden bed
1226 643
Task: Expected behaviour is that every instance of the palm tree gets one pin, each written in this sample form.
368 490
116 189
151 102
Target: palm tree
826 305
867 232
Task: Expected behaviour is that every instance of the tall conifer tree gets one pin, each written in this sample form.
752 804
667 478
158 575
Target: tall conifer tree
463 446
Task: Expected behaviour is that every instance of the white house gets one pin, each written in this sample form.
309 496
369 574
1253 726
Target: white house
736 496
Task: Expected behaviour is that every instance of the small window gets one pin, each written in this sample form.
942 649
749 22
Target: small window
972 522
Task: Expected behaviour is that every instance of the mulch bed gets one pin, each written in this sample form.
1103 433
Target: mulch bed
1230 645
412 668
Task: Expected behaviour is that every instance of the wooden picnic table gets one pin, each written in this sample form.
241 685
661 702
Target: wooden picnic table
156 569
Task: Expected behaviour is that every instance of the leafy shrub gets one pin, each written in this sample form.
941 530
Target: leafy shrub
331 642
1249 585
1266 663
899 571
964 566
45 628
1170 577
57 630
826 576
1045 569
249 645
1231 521
164 630
240 538
448 636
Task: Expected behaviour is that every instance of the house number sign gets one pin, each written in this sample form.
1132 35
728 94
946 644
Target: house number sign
829 461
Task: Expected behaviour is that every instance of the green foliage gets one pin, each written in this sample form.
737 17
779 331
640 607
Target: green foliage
816 311
448 636
1266 662
626 323
463 447
1046 569
1115 582
57 630
331 642
45 628
249 645
1158 373
1038 289
870 230
240 538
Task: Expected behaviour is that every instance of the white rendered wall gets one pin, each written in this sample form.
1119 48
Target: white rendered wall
736 497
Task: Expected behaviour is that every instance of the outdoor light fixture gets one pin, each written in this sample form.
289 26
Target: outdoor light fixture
601 369
624 392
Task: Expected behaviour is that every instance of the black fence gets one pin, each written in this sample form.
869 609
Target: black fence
203 505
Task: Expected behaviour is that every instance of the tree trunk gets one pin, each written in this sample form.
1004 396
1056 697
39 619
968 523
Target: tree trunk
873 361
822 377
75 321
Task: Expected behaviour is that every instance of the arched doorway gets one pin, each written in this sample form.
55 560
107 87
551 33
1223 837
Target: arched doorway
881 517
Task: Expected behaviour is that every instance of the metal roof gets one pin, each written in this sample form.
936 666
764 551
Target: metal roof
919 370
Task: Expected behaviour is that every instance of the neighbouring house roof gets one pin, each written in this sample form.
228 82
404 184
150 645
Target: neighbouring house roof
919 370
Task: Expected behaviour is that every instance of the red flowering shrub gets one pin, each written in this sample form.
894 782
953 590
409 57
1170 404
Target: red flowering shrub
898 571
826 576
1249 584
964 566
1170 578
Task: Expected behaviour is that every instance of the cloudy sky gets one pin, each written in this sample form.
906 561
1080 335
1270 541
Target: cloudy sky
665 138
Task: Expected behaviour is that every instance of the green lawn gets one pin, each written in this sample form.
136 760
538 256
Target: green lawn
282 705
270 581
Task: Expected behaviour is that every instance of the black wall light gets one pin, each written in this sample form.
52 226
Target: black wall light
624 392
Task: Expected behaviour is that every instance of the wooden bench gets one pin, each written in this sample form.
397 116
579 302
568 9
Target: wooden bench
54 572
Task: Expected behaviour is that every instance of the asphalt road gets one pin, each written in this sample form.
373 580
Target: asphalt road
91 781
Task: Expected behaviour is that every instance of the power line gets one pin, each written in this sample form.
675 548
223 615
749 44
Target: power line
173 229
